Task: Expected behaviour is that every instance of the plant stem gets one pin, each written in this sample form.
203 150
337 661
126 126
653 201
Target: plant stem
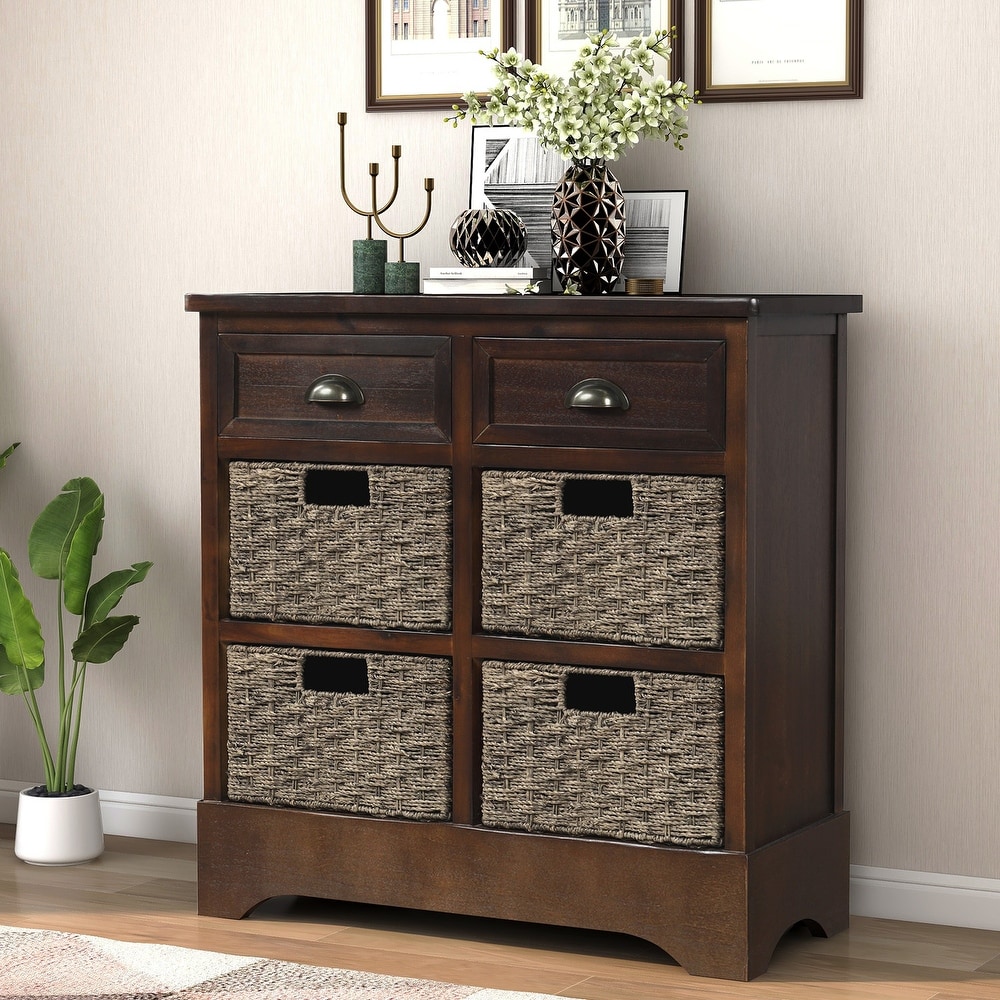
80 679
65 724
61 747
36 718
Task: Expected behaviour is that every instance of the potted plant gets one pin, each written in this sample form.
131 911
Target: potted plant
60 822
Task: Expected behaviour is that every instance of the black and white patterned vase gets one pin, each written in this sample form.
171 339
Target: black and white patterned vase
488 237
588 228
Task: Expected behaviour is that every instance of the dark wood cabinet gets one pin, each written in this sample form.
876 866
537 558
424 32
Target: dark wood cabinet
529 608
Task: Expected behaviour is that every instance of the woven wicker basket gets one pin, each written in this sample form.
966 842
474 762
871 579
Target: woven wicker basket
654 776
386 564
384 753
655 577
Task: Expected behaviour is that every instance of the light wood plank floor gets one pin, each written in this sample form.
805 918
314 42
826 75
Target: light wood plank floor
142 890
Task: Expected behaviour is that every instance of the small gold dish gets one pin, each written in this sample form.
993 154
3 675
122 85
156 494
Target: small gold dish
643 286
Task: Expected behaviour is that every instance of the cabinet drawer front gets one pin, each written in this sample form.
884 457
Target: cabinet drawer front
666 394
402 388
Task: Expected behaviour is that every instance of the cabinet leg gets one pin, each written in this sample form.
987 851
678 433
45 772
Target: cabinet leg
231 901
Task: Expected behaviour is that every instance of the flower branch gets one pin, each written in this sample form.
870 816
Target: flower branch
609 102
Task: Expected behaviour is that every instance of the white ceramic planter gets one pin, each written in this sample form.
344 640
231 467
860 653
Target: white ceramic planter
58 830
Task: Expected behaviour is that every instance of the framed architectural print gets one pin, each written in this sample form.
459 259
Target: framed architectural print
425 54
511 170
778 50
554 30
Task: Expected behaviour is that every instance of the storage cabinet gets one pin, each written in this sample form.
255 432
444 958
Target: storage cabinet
529 608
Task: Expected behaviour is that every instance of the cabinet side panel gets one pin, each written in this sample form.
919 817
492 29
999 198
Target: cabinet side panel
211 687
793 668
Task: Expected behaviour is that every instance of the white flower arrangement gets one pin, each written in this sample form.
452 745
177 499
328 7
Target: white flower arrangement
609 102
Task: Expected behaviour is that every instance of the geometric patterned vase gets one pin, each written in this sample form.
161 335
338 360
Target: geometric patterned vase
488 237
588 228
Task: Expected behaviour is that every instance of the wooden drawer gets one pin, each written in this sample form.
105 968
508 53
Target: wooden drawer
404 385
672 393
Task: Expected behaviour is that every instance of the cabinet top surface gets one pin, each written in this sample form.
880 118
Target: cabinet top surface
284 303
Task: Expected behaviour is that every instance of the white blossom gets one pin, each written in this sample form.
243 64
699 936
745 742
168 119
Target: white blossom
609 102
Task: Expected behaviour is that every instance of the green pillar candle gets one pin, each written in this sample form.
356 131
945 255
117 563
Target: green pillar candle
369 266
402 277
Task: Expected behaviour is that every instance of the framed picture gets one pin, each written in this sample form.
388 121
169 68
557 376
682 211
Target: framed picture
554 30
654 236
511 170
425 54
778 50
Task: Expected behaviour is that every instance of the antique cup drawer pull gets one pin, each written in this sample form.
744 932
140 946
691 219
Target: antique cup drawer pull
594 394
338 390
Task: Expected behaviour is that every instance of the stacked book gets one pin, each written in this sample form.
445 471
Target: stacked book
487 281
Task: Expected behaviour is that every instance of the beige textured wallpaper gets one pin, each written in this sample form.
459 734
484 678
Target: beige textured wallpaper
148 150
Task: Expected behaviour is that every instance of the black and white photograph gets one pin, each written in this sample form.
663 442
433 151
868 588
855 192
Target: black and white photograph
654 236
511 170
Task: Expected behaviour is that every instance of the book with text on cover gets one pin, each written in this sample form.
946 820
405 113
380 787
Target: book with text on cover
462 286
490 273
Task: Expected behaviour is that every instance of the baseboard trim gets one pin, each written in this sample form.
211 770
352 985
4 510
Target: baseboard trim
886 893
127 814
925 897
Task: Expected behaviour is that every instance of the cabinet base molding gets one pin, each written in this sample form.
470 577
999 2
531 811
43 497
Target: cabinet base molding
717 913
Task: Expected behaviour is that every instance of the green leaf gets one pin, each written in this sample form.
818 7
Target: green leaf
101 641
12 677
53 531
4 455
103 596
20 633
80 559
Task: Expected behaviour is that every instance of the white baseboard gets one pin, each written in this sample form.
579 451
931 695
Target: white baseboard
925 897
153 817
887 893
127 814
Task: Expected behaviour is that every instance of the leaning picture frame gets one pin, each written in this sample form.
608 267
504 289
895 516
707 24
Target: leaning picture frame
425 54
778 50
511 170
554 30
655 223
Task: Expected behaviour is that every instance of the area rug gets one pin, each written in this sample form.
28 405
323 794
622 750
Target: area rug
45 965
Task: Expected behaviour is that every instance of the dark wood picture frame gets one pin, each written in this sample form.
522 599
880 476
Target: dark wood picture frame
850 86
380 95
534 34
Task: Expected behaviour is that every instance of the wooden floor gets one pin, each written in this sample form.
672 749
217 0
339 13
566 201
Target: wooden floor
143 890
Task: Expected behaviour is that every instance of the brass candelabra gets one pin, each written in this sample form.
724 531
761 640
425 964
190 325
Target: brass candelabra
373 272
